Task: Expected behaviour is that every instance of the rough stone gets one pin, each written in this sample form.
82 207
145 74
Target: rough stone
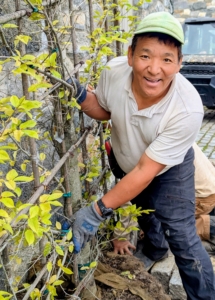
199 5
162 271
175 286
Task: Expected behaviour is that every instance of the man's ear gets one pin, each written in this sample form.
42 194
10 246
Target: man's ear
180 63
130 56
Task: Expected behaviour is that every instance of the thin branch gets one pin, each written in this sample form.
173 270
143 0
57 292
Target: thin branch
8 280
43 186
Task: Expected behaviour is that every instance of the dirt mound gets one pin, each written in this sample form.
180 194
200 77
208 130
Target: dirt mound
122 277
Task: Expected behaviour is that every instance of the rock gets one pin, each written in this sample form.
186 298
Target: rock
176 289
199 5
162 271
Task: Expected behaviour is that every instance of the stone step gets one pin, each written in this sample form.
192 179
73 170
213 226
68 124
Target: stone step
162 271
166 272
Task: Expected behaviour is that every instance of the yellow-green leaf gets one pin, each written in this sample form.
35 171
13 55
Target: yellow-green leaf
14 100
55 196
18 134
23 167
8 202
26 285
44 198
58 282
34 211
3 213
8 25
29 236
59 250
4 155
11 175
45 206
31 133
11 185
66 270
71 248
23 206
47 249
18 191
7 194
93 264
28 124
56 203
8 228
52 279
24 178
34 224
58 225
42 156
69 235
49 266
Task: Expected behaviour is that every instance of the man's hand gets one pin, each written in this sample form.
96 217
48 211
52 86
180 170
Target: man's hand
86 224
122 247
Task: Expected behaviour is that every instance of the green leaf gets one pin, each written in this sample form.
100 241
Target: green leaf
49 266
11 175
28 124
34 211
93 264
8 228
31 133
66 270
58 282
14 100
55 196
7 194
8 25
24 178
59 250
4 155
29 236
58 225
36 86
18 191
69 235
8 202
55 203
11 185
47 249
3 213
34 224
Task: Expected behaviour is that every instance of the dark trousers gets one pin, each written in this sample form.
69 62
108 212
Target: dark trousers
172 224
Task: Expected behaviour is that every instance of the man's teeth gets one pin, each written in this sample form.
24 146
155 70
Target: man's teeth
152 80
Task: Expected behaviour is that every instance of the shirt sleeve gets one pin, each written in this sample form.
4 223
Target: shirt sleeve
172 144
100 91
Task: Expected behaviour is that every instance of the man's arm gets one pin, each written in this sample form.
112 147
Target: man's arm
91 107
133 183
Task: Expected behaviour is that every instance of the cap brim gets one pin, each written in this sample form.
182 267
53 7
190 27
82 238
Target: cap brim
160 30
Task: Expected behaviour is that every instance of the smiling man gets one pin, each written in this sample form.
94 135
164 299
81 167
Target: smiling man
156 115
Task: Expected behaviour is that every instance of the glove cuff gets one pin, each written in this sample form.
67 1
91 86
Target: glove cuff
81 94
97 215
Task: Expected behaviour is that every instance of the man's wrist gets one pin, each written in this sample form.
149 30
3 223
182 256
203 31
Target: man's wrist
98 209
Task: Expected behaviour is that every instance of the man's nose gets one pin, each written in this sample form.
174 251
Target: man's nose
154 67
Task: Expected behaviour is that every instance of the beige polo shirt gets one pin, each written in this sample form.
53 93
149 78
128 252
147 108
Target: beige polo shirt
204 174
165 131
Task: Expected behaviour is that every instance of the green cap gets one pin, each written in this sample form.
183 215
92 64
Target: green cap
162 22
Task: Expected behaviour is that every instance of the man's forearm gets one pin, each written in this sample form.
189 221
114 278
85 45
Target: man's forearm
133 183
92 108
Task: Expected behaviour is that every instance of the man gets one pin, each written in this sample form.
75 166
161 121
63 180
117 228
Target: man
205 204
156 115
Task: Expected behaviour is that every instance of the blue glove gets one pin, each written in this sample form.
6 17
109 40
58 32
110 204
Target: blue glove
81 91
86 224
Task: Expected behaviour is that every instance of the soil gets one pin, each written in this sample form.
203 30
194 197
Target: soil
142 281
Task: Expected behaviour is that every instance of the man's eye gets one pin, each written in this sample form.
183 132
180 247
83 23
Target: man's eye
144 56
167 60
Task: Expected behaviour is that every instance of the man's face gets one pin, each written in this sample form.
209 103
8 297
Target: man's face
154 67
